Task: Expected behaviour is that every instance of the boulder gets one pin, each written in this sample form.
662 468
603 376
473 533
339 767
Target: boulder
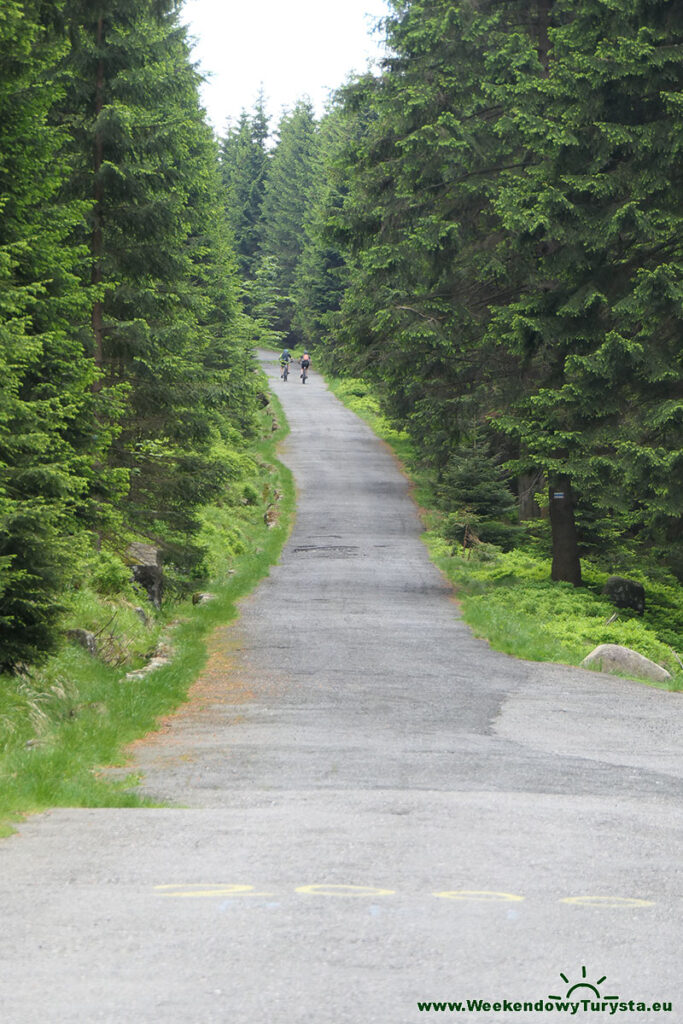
85 638
614 658
146 566
143 554
140 673
625 593
162 656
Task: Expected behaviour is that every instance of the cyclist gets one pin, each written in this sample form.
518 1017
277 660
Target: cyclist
285 360
304 363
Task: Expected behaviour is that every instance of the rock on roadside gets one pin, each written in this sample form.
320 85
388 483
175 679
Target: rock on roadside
162 656
145 561
85 638
614 658
625 593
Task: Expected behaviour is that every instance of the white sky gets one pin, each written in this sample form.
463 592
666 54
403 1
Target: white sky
293 47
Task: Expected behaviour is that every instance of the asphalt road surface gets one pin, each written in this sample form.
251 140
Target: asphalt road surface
369 808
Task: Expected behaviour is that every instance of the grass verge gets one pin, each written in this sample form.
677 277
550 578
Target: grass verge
60 723
508 597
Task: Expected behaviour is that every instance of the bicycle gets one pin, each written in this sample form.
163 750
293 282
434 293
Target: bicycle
304 364
285 370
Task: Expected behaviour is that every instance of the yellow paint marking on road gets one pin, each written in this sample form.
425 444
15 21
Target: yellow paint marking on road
479 896
206 890
607 901
198 885
344 890
184 892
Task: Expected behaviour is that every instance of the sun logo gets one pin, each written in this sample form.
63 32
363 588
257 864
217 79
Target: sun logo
586 986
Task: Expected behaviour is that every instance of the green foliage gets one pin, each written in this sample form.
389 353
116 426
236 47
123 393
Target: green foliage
45 407
244 169
504 201
321 272
422 157
62 722
168 334
510 596
288 192
107 573
596 219
249 494
507 596
478 503
123 637
124 354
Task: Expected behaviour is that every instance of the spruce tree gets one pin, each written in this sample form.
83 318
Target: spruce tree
244 169
419 220
511 231
321 274
144 154
598 216
286 200
46 424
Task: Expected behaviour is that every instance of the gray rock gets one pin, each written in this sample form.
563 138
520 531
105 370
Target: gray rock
163 655
143 554
204 598
614 658
85 638
147 572
151 578
140 673
625 593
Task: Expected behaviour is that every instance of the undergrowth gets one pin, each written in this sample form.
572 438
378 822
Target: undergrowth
60 723
508 597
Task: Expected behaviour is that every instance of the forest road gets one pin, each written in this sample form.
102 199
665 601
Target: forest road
371 808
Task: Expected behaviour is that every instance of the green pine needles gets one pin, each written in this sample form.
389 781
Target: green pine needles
488 229
124 352
504 202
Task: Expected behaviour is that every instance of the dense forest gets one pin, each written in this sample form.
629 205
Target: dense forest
125 353
487 229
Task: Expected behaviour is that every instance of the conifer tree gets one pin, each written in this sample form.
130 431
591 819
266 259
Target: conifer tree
321 275
45 417
512 237
244 168
143 152
599 319
420 223
286 200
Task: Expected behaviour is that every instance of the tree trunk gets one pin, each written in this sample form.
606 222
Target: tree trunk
566 564
527 485
97 240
